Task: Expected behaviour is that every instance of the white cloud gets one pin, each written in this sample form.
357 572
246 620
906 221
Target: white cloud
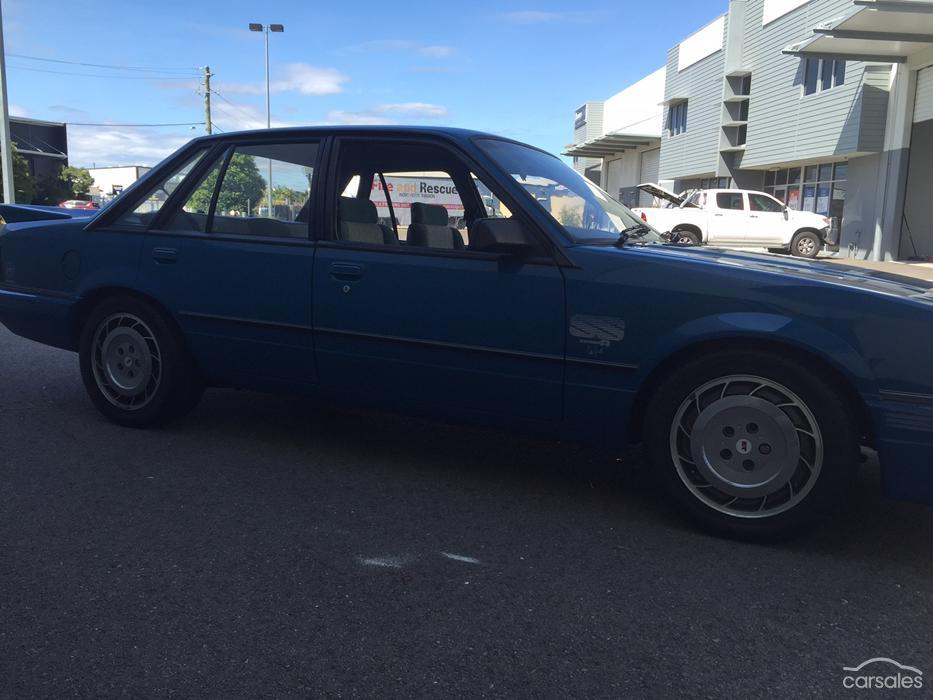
389 113
299 77
123 145
402 45
18 110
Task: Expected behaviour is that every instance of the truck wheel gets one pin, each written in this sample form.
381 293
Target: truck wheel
806 244
751 445
685 237
135 366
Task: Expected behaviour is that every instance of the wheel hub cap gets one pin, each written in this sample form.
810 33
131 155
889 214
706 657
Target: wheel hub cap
746 446
127 362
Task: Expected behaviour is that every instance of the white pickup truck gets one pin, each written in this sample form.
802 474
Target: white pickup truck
737 218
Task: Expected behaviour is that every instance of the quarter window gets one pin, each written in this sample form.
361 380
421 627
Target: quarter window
147 209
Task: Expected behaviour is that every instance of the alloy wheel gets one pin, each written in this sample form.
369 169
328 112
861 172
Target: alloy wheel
746 446
127 361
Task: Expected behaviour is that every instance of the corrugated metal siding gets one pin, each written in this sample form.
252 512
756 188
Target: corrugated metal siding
650 172
696 151
923 110
784 125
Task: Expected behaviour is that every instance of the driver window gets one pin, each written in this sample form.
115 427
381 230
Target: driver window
762 202
147 209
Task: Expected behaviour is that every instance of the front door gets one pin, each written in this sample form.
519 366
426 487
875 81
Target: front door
769 222
235 272
406 313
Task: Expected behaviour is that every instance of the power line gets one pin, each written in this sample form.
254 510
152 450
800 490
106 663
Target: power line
109 124
102 65
247 115
108 77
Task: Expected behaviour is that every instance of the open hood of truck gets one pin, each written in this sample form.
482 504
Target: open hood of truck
656 190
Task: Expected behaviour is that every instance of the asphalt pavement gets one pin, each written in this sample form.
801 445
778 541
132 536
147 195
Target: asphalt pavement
263 548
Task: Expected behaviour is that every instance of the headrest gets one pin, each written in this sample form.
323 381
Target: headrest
429 214
360 211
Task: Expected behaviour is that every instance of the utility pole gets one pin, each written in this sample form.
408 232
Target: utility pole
208 125
6 146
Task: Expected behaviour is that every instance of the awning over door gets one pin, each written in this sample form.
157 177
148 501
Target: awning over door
609 145
886 31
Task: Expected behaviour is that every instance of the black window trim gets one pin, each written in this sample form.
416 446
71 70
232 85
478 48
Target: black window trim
552 255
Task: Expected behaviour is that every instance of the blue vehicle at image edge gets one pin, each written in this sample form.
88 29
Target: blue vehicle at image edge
547 307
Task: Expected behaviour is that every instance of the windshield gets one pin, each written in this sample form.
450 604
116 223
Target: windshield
587 213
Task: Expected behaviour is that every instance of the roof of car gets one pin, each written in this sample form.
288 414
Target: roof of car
453 132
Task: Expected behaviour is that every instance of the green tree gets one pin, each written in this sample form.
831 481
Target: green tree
242 190
23 185
78 180
287 195
52 189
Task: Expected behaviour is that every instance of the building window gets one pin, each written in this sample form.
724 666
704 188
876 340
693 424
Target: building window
822 190
821 74
677 118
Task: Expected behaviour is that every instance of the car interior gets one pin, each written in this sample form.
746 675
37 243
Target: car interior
363 165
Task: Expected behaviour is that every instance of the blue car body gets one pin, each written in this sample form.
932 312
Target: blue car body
569 349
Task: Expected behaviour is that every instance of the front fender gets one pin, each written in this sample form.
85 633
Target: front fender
774 328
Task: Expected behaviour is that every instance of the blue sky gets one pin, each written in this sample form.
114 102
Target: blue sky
513 69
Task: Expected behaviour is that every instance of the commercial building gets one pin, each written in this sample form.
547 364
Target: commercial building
826 104
111 181
43 144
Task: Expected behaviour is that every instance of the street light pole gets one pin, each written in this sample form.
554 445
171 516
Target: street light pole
6 146
265 29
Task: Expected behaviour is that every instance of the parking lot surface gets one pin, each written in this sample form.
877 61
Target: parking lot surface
262 548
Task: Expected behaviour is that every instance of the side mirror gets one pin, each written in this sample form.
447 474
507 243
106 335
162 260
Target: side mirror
786 211
504 236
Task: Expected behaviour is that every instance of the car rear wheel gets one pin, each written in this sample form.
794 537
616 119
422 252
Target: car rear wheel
135 366
685 237
806 244
751 445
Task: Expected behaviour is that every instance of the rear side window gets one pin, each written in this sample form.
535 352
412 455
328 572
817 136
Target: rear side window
730 200
264 190
146 210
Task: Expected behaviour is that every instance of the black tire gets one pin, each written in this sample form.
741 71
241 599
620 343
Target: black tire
166 384
806 244
685 237
671 450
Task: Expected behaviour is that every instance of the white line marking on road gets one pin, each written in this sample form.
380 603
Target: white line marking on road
383 562
461 557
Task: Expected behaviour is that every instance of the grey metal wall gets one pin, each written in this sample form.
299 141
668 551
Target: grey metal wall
783 124
694 153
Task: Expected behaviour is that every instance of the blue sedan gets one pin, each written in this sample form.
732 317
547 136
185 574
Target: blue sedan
472 278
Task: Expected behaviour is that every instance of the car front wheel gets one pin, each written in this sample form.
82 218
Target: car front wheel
685 237
134 364
751 445
806 244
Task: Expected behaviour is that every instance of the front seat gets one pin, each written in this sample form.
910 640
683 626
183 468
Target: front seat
359 222
429 228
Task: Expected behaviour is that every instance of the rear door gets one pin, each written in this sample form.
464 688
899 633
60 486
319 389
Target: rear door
235 271
443 330
728 218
